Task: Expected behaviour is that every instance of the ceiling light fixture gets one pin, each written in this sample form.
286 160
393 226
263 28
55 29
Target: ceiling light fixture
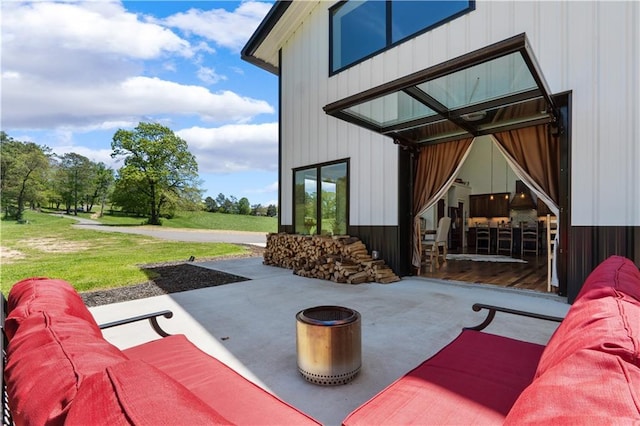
474 116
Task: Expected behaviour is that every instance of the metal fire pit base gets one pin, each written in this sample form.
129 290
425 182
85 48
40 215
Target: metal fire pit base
328 343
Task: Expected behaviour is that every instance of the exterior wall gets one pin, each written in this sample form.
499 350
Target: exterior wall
309 136
589 48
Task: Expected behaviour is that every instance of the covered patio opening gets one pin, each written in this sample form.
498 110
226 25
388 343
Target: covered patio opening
436 114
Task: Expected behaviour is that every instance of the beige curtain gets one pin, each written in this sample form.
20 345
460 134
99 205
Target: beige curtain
537 154
436 168
534 155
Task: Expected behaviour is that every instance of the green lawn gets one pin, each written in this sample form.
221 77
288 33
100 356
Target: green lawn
49 246
199 220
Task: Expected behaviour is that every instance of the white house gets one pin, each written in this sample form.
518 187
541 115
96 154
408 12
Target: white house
381 102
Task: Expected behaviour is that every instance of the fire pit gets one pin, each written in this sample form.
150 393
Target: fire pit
328 343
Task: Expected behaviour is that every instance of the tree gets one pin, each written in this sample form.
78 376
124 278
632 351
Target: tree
210 204
158 163
258 210
243 206
272 210
102 184
23 171
128 193
74 177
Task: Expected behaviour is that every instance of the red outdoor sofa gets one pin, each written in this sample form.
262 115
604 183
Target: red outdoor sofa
587 374
60 370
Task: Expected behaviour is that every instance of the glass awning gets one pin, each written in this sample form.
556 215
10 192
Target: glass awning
496 88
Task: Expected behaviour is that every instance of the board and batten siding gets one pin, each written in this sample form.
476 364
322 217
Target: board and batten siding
309 136
591 49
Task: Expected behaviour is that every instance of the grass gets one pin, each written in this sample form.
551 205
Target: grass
49 246
199 220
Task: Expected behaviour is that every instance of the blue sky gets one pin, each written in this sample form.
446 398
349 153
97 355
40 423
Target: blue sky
73 73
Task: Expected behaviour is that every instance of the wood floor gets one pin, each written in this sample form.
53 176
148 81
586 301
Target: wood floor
531 275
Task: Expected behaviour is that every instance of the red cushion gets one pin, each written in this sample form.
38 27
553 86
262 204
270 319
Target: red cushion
473 380
134 392
47 359
616 276
605 317
230 394
586 388
33 295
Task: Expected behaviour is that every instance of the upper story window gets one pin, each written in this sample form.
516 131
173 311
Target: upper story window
361 29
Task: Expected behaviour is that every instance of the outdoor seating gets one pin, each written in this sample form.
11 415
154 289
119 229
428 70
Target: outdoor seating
481 378
56 346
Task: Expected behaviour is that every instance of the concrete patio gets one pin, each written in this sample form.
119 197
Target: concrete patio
251 326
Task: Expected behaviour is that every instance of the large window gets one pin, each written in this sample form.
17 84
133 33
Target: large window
321 199
360 29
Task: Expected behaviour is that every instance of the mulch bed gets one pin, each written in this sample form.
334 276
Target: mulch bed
170 279
164 279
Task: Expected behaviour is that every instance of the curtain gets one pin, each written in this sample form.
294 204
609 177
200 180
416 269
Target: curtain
436 169
534 156
537 155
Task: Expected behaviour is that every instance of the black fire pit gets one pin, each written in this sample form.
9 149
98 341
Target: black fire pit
328 343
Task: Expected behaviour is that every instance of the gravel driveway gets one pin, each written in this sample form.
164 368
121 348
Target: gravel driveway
176 234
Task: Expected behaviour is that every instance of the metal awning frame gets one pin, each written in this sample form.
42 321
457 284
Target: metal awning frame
409 83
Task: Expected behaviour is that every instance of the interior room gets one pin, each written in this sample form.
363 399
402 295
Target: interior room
498 228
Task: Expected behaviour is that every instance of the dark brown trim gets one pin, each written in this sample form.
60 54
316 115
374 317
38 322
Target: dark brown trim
390 44
405 209
563 127
384 239
261 33
592 245
318 168
280 148
496 50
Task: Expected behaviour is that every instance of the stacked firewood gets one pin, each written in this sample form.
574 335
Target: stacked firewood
341 259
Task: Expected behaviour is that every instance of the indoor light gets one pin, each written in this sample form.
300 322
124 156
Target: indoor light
474 116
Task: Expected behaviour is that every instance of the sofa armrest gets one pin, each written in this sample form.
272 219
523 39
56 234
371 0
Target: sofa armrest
152 317
492 313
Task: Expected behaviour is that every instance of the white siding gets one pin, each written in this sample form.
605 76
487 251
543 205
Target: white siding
589 48
310 136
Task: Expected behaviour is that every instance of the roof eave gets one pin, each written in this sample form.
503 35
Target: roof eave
261 33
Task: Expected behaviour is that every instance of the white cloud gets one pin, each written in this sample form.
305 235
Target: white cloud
228 29
37 103
234 148
77 40
209 76
95 155
80 64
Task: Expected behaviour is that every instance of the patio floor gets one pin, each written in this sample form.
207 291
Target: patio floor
250 326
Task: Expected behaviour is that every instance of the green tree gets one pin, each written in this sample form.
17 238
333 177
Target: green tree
74 177
102 185
128 193
210 204
220 201
244 207
23 172
272 210
159 164
258 210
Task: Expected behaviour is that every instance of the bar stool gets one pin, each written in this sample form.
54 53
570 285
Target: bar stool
529 240
505 238
483 234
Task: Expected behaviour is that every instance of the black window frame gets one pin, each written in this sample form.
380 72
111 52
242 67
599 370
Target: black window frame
318 168
388 22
